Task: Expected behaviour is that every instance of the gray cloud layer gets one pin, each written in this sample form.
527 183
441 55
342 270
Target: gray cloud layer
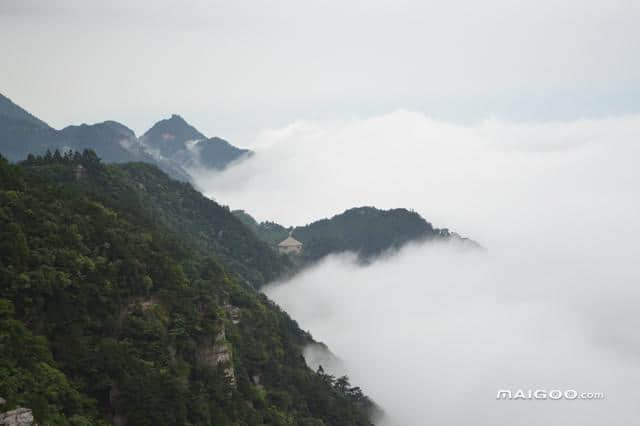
432 333
234 67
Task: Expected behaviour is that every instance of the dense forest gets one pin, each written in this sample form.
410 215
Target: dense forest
269 232
191 217
367 231
129 298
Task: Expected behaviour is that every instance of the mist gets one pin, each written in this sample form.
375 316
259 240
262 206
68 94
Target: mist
433 332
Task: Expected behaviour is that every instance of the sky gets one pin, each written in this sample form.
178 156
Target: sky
235 68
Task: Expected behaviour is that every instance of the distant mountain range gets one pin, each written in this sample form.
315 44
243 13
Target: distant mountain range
172 144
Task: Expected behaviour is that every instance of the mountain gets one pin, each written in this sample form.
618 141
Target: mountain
366 231
115 142
194 218
171 144
169 136
176 139
116 309
12 111
270 232
217 153
21 133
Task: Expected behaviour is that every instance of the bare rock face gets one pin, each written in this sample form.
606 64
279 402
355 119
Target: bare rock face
114 399
219 353
17 417
234 313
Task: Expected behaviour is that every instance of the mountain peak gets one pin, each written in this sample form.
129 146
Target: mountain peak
170 134
177 125
171 143
111 129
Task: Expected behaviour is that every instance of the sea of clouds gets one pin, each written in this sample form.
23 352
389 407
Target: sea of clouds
433 332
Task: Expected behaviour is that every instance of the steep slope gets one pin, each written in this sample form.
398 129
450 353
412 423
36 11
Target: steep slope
107 315
364 230
193 217
12 111
21 133
269 232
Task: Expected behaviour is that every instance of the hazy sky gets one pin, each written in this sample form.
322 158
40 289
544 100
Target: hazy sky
233 68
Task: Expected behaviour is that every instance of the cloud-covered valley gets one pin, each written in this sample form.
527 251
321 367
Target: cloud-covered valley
433 332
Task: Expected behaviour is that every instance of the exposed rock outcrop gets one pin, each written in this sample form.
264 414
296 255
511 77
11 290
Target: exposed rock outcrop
18 417
118 419
219 353
234 313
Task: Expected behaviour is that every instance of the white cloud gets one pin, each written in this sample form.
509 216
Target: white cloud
482 180
432 333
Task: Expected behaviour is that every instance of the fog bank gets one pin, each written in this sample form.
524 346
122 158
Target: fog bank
434 332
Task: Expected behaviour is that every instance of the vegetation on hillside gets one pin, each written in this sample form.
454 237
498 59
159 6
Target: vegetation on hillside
191 217
364 230
123 299
367 231
269 232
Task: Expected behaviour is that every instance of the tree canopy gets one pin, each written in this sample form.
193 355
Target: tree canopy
127 297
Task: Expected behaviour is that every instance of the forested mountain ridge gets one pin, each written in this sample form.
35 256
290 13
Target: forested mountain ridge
165 144
192 217
367 231
111 314
269 232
